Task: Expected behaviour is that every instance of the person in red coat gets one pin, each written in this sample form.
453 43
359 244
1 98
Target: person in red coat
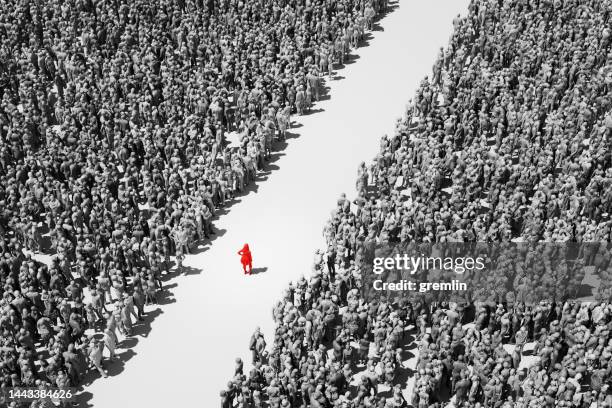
246 259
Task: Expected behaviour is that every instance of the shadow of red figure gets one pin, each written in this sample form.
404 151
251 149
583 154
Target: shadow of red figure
246 259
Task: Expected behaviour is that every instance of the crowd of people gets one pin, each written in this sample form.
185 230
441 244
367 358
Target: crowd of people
509 140
114 155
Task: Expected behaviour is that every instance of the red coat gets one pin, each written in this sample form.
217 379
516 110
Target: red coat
245 255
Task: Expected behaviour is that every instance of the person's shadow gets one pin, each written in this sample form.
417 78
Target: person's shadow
257 271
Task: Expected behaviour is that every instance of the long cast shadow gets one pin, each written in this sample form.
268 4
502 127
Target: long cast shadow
257 271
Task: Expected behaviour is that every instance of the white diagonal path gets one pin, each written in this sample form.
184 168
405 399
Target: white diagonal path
189 354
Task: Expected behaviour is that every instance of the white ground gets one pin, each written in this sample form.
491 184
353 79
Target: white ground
189 355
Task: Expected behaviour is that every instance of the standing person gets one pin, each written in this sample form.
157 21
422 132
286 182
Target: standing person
95 356
246 259
313 81
139 299
283 118
125 312
111 325
308 99
257 345
151 291
110 342
128 301
300 100
180 257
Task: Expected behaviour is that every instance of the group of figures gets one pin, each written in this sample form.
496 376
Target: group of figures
510 140
114 118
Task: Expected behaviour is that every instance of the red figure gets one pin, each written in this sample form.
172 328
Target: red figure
246 259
